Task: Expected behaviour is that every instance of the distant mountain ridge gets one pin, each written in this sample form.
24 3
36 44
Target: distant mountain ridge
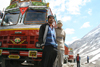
89 45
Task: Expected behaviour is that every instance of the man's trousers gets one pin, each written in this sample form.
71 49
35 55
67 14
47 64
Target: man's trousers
59 59
49 56
78 63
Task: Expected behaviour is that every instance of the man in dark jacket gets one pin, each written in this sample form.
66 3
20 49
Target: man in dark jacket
87 59
47 39
78 60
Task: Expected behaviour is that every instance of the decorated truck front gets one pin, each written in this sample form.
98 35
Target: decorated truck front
70 54
19 33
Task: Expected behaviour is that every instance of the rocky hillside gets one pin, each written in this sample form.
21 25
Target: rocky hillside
89 45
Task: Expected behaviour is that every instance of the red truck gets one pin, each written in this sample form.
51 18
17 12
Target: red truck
66 54
19 31
70 54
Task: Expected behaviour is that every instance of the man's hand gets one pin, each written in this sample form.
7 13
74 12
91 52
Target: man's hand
42 47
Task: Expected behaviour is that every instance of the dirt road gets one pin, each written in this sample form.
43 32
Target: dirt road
82 65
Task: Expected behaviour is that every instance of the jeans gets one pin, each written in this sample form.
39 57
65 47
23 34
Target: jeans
78 63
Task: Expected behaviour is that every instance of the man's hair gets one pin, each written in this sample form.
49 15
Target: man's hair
50 16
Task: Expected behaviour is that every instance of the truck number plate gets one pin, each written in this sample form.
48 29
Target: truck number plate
33 54
14 56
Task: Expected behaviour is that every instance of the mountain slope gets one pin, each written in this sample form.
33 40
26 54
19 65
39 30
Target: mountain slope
89 45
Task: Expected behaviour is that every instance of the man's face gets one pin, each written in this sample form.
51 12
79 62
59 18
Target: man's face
51 20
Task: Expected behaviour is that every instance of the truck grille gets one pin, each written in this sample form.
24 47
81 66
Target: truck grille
3 39
23 38
9 41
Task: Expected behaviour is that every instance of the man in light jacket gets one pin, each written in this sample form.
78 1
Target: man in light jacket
60 38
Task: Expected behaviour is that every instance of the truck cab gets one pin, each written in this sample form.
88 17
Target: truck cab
19 32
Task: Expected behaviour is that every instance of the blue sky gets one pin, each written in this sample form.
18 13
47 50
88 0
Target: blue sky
78 16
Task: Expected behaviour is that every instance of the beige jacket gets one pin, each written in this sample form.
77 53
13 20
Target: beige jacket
60 38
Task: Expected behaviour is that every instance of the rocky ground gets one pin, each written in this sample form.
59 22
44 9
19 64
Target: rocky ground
82 65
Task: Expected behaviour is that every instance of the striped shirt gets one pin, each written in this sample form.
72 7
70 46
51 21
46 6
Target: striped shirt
50 38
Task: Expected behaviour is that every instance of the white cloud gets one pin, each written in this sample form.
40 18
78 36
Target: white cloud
63 7
84 2
85 25
68 42
57 7
4 4
73 39
57 3
75 5
66 18
90 12
71 6
69 31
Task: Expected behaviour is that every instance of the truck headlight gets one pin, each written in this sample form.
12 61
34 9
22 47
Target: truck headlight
38 45
0 43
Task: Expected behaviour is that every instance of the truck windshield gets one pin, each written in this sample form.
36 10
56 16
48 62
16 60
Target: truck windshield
11 18
35 17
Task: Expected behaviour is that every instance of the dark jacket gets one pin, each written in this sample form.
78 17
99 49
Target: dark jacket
43 33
